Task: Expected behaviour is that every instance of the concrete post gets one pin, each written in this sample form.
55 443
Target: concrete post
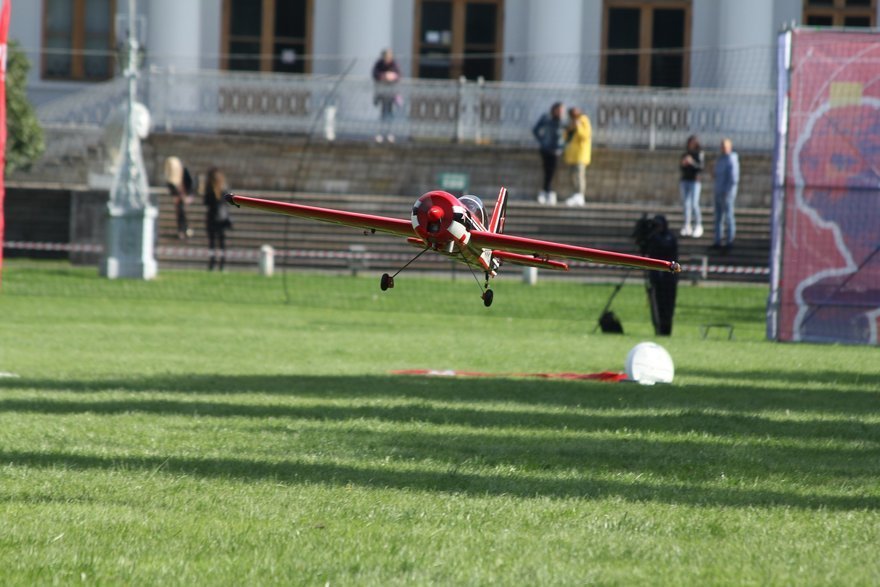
267 260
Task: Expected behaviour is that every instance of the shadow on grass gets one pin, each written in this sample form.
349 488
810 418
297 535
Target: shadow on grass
684 421
451 481
749 394
869 382
518 424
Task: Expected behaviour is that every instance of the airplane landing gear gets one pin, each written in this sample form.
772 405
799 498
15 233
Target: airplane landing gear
488 294
387 281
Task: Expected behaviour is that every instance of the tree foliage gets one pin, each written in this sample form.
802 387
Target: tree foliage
24 135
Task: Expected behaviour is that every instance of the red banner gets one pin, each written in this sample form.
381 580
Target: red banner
4 33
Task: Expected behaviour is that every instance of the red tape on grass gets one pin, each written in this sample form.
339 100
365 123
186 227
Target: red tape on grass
611 376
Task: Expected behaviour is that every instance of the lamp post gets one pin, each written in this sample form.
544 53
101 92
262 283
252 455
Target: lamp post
131 221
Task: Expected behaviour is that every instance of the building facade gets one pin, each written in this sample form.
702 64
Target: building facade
722 44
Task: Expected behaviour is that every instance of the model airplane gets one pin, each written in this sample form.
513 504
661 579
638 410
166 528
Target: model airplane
459 228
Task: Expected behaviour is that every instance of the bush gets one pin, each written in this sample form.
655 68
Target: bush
24 135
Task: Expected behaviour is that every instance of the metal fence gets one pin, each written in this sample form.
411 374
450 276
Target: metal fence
465 111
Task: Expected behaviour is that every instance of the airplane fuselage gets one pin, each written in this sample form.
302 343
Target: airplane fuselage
444 224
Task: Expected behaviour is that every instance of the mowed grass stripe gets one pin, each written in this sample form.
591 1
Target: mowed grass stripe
766 423
416 445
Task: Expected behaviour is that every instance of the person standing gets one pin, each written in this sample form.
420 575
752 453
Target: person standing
692 163
662 286
386 74
726 186
180 186
548 132
578 152
218 220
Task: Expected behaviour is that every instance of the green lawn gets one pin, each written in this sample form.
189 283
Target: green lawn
198 430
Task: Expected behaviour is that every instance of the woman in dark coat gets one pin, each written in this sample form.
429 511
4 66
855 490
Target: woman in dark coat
217 220
386 74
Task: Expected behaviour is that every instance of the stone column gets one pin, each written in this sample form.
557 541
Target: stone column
591 42
746 36
555 43
174 33
174 44
364 30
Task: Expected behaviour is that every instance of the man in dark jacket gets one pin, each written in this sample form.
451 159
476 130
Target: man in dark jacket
548 131
662 286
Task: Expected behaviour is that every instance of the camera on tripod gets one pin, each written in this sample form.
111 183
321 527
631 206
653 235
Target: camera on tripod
642 232
645 229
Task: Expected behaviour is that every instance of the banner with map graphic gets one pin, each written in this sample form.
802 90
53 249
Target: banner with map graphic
825 261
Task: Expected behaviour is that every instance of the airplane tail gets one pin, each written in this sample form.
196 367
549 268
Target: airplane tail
496 225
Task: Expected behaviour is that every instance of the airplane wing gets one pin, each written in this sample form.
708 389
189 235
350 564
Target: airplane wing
544 249
540 250
530 260
394 226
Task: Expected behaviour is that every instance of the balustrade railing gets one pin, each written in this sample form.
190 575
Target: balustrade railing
491 112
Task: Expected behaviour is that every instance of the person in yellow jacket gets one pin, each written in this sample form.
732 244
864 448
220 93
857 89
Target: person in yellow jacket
578 151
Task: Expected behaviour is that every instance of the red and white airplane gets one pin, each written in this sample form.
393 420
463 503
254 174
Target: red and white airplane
458 228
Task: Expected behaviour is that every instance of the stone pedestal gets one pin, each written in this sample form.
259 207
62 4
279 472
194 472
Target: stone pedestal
129 247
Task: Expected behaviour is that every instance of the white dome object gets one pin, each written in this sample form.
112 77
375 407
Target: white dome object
649 363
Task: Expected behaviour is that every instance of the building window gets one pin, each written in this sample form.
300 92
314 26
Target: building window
646 43
267 35
78 39
840 13
458 38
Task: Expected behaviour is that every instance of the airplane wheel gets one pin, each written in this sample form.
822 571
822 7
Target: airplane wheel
387 281
488 295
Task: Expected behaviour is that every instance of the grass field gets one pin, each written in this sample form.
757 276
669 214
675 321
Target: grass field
197 430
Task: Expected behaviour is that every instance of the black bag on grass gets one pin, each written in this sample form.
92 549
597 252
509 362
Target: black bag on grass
610 323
